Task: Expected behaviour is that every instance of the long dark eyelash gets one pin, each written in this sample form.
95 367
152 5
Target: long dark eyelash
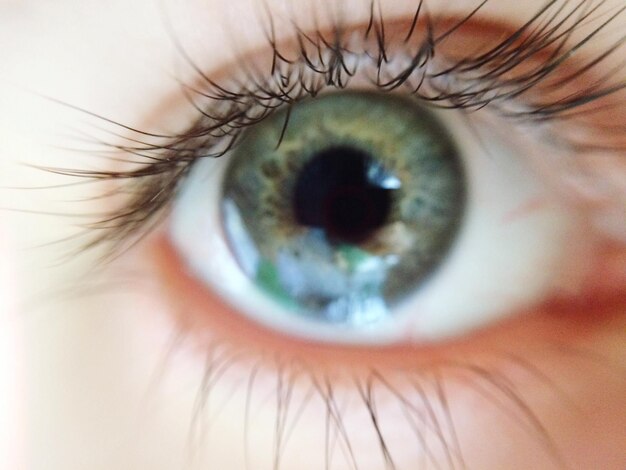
419 392
321 61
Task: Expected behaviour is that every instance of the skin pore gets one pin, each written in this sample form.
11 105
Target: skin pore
110 377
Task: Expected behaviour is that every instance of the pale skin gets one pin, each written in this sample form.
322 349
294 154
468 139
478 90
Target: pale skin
100 380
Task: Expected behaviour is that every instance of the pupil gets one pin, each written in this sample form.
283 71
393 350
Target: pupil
336 193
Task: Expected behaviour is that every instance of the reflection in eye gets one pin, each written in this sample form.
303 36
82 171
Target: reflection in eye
513 95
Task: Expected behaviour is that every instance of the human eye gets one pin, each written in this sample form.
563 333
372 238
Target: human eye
522 116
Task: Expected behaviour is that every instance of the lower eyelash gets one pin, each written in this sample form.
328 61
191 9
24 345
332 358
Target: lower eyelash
419 396
424 399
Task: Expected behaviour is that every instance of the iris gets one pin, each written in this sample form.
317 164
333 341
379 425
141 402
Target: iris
342 206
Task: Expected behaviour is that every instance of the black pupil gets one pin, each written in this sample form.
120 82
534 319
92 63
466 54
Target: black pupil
335 192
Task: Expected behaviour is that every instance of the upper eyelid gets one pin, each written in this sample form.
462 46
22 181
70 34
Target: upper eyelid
228 66
553 59
278 21
167 161
301 38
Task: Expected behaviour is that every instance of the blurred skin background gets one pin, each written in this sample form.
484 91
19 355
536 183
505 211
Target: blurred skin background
94 373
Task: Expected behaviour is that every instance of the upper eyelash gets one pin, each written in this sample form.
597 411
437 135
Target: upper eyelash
321 63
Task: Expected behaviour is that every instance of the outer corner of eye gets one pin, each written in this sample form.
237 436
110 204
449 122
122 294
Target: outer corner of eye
373 221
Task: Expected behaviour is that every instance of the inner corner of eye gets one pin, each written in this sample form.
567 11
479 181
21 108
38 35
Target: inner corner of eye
348 225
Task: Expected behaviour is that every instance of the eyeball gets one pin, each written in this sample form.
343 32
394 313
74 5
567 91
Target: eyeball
366 218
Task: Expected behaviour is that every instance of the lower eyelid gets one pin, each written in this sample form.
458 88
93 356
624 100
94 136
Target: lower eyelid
205 319
501 385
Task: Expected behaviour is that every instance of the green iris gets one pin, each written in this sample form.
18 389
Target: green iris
342 214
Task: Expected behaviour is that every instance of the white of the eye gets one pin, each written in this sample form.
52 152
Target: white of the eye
511 251
514 245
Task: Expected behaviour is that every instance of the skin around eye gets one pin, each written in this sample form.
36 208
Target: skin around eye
109 385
